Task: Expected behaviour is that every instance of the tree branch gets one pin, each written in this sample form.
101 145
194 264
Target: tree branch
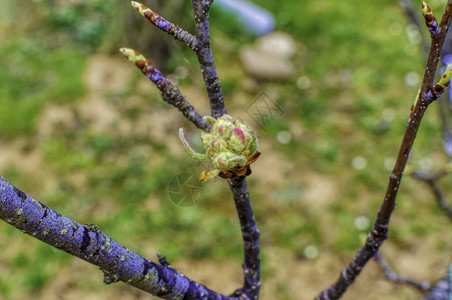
392 276
250 233
88 243
379 231
430 180
199 43
441 290
202 47
164 25
203 51
170 93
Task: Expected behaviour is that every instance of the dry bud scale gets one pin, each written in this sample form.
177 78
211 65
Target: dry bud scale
231 146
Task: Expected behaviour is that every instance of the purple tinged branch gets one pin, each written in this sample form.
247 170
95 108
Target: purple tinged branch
250 233
392 276
441 290
87 242
165 25
199 43
204 53
170 93
431 181
379 230
430 20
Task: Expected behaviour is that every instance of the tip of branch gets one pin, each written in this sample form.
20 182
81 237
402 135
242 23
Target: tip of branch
135 4
124 50
128 53
443 83
141 8
445 79
430 20
425 7
132 55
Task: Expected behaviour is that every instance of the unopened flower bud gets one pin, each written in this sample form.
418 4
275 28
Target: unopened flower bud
206 139
224 127
237 141
218 145
231 146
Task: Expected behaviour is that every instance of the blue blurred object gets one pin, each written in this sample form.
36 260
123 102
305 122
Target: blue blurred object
254 19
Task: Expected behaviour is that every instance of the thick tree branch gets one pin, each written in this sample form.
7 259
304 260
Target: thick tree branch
380 229
88 243
170 93
203 50
202 47
250 233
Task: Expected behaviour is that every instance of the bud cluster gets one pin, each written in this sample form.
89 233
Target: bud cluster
231 146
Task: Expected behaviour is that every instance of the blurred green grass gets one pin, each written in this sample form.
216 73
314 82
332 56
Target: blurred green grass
357 56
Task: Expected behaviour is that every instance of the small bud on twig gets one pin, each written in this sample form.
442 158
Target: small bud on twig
231 146
165 25
170 93
442 84
144 65
430 20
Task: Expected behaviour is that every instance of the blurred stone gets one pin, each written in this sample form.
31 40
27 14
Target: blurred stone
278 43
269 58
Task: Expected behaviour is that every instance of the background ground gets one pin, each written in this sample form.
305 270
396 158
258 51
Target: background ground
82 131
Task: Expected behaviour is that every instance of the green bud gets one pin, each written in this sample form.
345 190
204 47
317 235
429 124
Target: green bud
223 127
231 146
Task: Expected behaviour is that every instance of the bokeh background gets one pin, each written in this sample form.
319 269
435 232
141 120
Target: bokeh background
83 131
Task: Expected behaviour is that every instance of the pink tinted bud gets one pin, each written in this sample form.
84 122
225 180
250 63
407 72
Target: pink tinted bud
218 144
206 139
224 127
221 160
237 141
238 133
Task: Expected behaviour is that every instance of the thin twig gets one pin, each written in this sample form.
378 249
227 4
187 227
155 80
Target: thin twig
441 290
440 198
87 242
379 231
200 43
250 233
203 51
165 25
430 20
202 47
170 93
431 181
423 286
